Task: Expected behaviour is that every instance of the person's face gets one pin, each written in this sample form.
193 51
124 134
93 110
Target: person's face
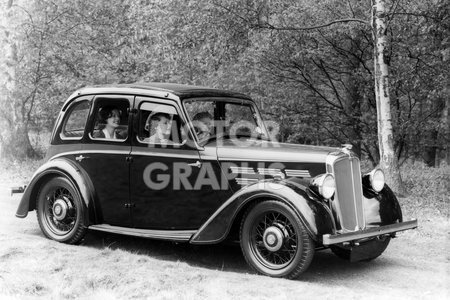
113 119
163 125
208 122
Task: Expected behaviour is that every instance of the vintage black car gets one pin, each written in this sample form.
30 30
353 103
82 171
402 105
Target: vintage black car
193 164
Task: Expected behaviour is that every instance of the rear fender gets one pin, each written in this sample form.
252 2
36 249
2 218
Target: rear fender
58 167
314 215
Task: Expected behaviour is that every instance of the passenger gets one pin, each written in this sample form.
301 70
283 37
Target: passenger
159 125
109 121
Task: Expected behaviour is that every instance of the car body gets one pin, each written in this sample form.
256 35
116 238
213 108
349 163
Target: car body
194 164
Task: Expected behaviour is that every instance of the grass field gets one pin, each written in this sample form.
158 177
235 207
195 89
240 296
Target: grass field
416 265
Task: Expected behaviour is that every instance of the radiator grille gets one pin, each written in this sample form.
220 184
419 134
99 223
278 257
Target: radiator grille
348 199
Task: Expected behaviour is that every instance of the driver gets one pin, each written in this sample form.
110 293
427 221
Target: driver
204 125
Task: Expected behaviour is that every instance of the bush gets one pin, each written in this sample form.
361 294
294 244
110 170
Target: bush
428 189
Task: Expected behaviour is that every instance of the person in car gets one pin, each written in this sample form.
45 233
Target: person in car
109 121
203 125
159 125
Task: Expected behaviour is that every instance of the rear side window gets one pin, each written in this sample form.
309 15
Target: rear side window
73 128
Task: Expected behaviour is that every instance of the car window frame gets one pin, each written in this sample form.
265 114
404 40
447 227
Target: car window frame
140 100
218 110
68 113
94 113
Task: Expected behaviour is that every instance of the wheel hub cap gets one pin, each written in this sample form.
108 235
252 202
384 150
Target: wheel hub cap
60 209
273 238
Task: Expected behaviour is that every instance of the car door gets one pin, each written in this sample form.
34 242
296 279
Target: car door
167 174
106 161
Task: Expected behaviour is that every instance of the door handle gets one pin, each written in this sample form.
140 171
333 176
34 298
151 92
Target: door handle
80 157
196 164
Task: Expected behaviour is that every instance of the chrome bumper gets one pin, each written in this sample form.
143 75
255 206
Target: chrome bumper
328 239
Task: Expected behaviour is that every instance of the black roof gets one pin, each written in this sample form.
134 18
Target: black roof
181 90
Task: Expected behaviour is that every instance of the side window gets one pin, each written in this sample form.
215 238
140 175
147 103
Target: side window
201 114
111 120
73 128
160 124
241 119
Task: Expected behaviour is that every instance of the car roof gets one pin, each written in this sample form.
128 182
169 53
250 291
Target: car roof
182 91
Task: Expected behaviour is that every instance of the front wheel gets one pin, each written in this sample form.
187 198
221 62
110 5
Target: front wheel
60 211
274 241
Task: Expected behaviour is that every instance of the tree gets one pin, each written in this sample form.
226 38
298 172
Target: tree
259 16
388 159
15 106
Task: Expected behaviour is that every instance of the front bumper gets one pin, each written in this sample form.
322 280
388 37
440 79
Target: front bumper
330 239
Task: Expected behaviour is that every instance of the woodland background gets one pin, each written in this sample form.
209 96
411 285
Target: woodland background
315 81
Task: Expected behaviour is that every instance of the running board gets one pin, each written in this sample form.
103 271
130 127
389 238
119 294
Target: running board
171 235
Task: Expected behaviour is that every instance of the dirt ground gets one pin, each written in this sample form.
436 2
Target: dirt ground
416 265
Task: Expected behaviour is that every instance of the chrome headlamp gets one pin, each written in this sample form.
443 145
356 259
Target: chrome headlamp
377 179
325 185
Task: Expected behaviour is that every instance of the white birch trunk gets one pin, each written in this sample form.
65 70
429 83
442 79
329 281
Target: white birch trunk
388 159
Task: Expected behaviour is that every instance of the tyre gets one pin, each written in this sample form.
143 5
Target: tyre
274 241
371 249
60 211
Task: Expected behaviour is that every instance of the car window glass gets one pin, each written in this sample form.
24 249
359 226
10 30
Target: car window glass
201 114
195 108
111 120
241 119
160 124
76 121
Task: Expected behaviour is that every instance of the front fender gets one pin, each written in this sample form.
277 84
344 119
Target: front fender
314 215
57 167
384 204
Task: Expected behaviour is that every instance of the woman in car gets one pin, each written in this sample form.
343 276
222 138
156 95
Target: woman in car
159 125
109 121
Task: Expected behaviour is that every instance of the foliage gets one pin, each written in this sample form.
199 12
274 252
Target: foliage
428 188
317 84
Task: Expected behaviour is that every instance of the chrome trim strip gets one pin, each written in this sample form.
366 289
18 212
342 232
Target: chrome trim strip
242 170
173 235
166 154
297 173
89 151
143 153
328 239
267 171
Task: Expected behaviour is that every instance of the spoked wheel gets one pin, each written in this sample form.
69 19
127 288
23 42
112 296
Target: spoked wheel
274 241
60 212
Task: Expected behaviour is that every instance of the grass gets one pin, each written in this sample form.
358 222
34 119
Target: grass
428 190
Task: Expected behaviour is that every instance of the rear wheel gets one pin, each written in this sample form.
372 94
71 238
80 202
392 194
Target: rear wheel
60 211
274 241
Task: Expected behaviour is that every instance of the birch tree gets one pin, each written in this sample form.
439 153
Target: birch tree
388 158
260 18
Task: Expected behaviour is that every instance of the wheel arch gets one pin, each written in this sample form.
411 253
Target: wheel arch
226 220
60 167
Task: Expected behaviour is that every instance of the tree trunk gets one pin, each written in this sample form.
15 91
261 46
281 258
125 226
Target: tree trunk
443 155
388 159
15 140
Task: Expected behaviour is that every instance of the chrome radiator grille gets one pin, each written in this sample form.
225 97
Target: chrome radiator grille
348 200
